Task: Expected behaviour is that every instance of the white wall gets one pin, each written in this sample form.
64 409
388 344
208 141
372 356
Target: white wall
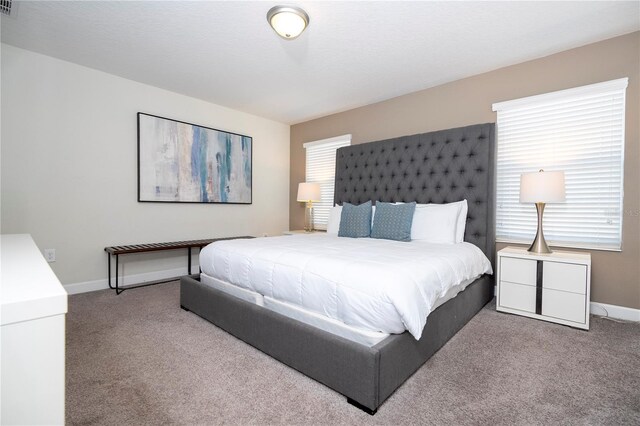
69 167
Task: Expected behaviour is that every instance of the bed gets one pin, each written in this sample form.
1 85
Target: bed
436 167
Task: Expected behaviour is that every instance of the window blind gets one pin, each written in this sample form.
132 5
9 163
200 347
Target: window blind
581 132
321 168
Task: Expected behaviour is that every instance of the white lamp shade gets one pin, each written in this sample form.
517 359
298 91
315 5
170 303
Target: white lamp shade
308 192
542 187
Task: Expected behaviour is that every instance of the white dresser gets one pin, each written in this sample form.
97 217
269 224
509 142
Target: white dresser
32 339
553 287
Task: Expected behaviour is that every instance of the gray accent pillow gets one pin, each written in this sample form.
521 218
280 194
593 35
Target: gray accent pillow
393 221
355 221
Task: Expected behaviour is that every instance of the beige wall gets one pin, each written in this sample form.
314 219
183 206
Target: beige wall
616 276
69 169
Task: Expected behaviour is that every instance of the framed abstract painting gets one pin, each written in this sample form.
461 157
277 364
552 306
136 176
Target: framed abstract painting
180 162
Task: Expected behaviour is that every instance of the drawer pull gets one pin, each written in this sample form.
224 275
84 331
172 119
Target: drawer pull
539 287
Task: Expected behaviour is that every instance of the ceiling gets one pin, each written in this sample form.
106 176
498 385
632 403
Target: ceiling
352 53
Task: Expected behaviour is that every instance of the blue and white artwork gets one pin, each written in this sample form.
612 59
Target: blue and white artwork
184 163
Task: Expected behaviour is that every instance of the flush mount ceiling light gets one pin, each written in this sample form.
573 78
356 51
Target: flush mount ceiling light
288 21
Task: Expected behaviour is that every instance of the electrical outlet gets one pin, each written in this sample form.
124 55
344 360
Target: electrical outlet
50 255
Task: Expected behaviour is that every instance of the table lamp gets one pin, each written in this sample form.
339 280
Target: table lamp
308 193
541 188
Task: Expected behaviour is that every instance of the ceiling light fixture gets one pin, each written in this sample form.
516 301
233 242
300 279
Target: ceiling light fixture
288 21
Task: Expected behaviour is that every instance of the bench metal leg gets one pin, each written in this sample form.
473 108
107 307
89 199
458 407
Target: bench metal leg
116 288
120 290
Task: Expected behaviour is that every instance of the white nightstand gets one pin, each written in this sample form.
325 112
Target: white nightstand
552 287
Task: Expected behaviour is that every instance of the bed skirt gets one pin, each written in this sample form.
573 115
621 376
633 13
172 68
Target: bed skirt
366 375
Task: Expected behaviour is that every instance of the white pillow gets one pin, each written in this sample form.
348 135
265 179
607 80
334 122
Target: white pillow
435 223
462 220
333 226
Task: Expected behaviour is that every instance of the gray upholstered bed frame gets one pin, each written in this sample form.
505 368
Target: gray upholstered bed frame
437 167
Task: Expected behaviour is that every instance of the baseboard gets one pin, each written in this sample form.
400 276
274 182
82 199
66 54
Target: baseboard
614 311
87 286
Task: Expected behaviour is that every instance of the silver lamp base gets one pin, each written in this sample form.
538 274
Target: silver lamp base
539 244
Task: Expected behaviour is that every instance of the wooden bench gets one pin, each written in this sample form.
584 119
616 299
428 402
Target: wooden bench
144 248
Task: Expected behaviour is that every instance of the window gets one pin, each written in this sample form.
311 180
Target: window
321 168
581 132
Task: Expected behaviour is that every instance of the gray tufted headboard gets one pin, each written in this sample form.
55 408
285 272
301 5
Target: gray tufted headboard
435 167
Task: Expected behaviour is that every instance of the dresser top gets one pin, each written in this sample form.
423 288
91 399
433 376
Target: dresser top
28 286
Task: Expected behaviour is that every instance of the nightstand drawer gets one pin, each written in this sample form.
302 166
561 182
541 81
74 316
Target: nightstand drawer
517 296
564 305
565 277
520 271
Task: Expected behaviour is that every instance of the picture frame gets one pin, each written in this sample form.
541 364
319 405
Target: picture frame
180 162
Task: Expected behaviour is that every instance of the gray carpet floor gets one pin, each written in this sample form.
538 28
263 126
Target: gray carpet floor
137 358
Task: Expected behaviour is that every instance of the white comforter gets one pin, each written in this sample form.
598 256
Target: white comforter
379 285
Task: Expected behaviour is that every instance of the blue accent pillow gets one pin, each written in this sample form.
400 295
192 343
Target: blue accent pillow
355 221
393 221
